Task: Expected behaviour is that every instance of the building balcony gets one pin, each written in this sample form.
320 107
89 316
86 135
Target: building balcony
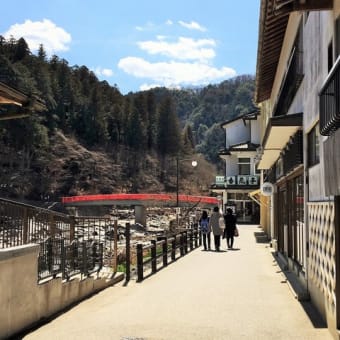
330 102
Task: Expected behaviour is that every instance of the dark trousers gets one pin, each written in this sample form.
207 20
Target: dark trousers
230 241
206 240
217 239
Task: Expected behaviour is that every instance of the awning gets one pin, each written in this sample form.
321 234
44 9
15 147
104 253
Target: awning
257 197
278 132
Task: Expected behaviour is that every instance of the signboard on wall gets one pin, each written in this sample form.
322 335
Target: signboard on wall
267 189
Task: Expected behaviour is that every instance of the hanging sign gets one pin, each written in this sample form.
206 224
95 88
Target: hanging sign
267 189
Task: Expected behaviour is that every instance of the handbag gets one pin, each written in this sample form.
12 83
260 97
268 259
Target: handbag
236 233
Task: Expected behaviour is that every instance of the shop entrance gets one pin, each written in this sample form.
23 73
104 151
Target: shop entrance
246 210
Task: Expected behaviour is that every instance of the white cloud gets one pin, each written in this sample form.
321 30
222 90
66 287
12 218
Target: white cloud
183 49
148 26
175 73
44 32
169 22
106 72
193 25
145 87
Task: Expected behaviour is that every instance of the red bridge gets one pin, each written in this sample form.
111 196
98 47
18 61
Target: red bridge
141 199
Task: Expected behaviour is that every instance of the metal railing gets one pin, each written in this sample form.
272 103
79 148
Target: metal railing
330 102
22 224
69 245
56 258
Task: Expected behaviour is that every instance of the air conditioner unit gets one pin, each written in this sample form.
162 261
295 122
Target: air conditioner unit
231 180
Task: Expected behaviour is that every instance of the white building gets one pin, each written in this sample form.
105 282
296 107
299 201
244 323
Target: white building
241 177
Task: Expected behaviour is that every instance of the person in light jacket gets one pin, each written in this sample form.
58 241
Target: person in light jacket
214 225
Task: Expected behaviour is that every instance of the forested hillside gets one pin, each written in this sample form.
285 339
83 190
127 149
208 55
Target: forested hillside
93 139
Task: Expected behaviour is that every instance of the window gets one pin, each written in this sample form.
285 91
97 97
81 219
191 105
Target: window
337 37
244 166
330 56
313 146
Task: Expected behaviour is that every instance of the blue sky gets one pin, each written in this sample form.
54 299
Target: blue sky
139 44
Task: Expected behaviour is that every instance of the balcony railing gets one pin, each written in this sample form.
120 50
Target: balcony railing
330 102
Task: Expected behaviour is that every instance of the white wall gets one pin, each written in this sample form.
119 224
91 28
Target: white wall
236 132
255 131
318 32
23 301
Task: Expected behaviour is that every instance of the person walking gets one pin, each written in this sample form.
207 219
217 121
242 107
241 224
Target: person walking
230 226
205 229
214 224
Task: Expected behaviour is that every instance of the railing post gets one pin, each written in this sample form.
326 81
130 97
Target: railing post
127 251
25 230
185 242
101 255
165 251
72 228
115 244
173 249
84 253
49 249
153 256
52 225
181 241
140 269
63 259
196 238
191 239
94 253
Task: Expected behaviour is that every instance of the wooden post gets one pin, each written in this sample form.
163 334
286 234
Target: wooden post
140 269
181 240
165 251
196 238
153 256
127 252
115 245
191 239
173 249
185 242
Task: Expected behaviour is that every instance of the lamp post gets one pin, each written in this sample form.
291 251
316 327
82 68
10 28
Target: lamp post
194 163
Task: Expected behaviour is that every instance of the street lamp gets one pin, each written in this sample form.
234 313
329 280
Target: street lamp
193 164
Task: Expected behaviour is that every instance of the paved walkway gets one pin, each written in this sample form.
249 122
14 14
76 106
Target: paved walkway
238 294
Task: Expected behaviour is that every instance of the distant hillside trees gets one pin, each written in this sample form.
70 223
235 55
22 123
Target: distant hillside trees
158 121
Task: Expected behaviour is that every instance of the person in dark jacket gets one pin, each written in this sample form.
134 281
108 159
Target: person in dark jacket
230 226
205 230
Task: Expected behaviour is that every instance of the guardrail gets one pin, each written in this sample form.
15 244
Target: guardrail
77 258
160 252
71 245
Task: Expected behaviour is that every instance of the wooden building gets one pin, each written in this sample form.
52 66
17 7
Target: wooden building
298 92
